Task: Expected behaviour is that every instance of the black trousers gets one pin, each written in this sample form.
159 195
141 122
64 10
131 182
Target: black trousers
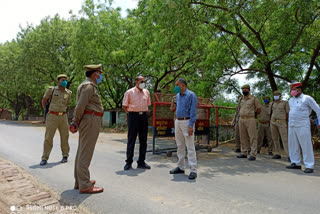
137 125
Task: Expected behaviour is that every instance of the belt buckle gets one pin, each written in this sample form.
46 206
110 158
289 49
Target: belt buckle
140 112
60 113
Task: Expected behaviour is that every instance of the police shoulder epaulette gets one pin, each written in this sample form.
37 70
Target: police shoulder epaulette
50 88
86 84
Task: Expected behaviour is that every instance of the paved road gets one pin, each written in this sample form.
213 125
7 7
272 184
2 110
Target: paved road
225 184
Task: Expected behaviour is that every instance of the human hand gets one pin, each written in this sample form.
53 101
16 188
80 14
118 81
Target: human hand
74 127
190 131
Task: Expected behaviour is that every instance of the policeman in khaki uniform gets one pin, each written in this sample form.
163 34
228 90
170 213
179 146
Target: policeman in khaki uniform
57 118
249 105
264 125
279 124
87 119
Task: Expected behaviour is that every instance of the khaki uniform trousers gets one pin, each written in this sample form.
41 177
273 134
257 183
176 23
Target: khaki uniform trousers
88 134
282 130
54 122
264 130
248 136
237 135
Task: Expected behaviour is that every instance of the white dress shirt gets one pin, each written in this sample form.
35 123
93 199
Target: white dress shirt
300 110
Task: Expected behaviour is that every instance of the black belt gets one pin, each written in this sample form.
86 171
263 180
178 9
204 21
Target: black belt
183 118
138 112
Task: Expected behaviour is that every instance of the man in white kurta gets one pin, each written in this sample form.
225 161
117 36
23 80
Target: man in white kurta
299 132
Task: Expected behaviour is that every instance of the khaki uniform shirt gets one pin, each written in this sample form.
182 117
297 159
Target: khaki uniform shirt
279 112
87 99
249 106
265 113
60 99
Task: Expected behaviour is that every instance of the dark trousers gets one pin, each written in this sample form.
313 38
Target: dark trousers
137 124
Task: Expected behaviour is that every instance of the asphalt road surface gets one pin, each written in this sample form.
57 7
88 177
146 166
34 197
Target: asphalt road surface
225 184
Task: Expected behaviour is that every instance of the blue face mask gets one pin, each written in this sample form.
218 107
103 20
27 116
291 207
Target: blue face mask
177 89
100 79
266 101
64 83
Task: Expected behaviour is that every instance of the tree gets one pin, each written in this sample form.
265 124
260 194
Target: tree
269 31
12 80
46 54
103 36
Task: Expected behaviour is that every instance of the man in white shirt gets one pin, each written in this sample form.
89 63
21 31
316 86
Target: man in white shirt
299 132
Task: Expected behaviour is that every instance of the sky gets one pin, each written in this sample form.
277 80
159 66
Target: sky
14 13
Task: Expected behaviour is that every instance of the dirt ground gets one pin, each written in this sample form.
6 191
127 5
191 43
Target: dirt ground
21 193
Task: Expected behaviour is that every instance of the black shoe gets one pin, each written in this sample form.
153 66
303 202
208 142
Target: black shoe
43 162
289 160
64 160
276 157
270 153
242 156
252 158
176 171
127 166
258 152
237 150
308 170
143 166
192 176
293 166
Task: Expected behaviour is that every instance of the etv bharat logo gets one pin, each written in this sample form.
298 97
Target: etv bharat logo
15 208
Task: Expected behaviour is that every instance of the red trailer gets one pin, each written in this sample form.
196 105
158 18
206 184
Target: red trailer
163 119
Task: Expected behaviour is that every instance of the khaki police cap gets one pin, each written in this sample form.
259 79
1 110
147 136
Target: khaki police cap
93 67
277 92
62 76
246 86
267 97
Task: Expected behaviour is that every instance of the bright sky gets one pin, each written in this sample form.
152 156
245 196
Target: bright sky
20 12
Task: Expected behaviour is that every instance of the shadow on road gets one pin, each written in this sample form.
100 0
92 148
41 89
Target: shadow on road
182 178
124 141
225 162
131 172
19 123
73 197
48 166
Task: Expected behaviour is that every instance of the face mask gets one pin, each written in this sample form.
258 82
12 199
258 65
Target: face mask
266 101
277 97
245 93
99 79
64 83
177 89
142 85
294 92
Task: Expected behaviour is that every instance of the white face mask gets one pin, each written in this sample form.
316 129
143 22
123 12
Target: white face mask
142 85
276 97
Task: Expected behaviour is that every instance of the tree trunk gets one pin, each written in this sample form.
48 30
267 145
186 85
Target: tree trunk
272 81
28 102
